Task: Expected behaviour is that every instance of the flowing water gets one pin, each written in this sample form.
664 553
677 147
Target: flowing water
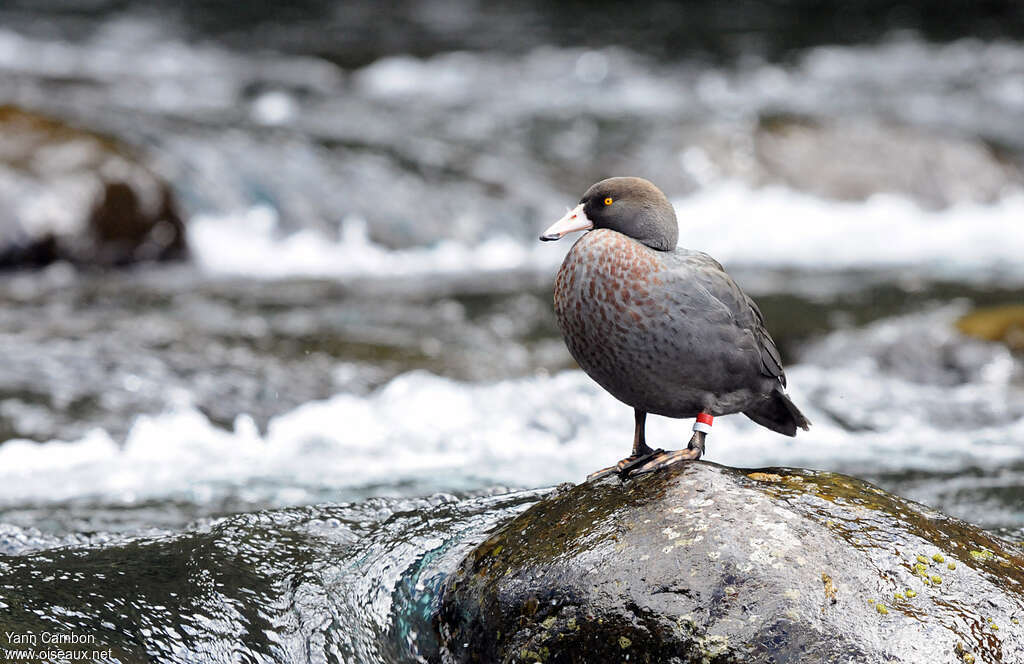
276 451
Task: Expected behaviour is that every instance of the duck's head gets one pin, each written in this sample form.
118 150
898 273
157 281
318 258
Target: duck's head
631 206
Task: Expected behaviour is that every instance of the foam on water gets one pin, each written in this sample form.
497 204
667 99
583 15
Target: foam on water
248 244
422 430
736 223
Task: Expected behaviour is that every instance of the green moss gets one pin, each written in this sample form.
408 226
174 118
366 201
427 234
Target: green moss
548 622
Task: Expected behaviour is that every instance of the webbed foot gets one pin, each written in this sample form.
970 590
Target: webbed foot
626 465
662 459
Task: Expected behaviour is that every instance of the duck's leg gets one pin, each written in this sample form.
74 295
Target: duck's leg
693 451
641 452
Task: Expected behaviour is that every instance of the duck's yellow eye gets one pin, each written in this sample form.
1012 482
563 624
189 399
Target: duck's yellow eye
608 201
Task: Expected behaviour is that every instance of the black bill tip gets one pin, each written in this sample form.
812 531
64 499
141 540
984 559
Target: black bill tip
551 237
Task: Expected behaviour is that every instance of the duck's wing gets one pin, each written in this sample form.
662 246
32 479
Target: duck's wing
709 275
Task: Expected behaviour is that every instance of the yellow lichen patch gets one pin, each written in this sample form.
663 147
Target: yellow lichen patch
936 579
712 646
624 642
898 597
922 560
982 555
920 568
830 588
765 477
961 651
1004 324
1014 621
939 558
951 565
881 609
911 593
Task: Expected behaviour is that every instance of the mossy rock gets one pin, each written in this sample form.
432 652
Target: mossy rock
1004 324
703 563
68 193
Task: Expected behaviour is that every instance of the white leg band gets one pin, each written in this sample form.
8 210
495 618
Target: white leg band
703 428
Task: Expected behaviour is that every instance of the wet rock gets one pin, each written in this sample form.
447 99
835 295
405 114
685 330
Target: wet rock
704 563
1004 324
70 194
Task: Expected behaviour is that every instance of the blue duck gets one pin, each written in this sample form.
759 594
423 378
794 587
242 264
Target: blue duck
662 328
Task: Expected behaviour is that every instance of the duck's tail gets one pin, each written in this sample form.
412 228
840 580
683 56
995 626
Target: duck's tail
779 414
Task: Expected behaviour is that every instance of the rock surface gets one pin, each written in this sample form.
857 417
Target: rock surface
704 563
70 194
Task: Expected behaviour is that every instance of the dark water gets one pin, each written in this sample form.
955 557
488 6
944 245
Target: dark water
323 583
226 460
356 33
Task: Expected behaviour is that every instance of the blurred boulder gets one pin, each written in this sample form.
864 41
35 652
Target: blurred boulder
707 564
853 160
70 194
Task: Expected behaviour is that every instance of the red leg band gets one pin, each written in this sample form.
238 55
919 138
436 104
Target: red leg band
703 423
